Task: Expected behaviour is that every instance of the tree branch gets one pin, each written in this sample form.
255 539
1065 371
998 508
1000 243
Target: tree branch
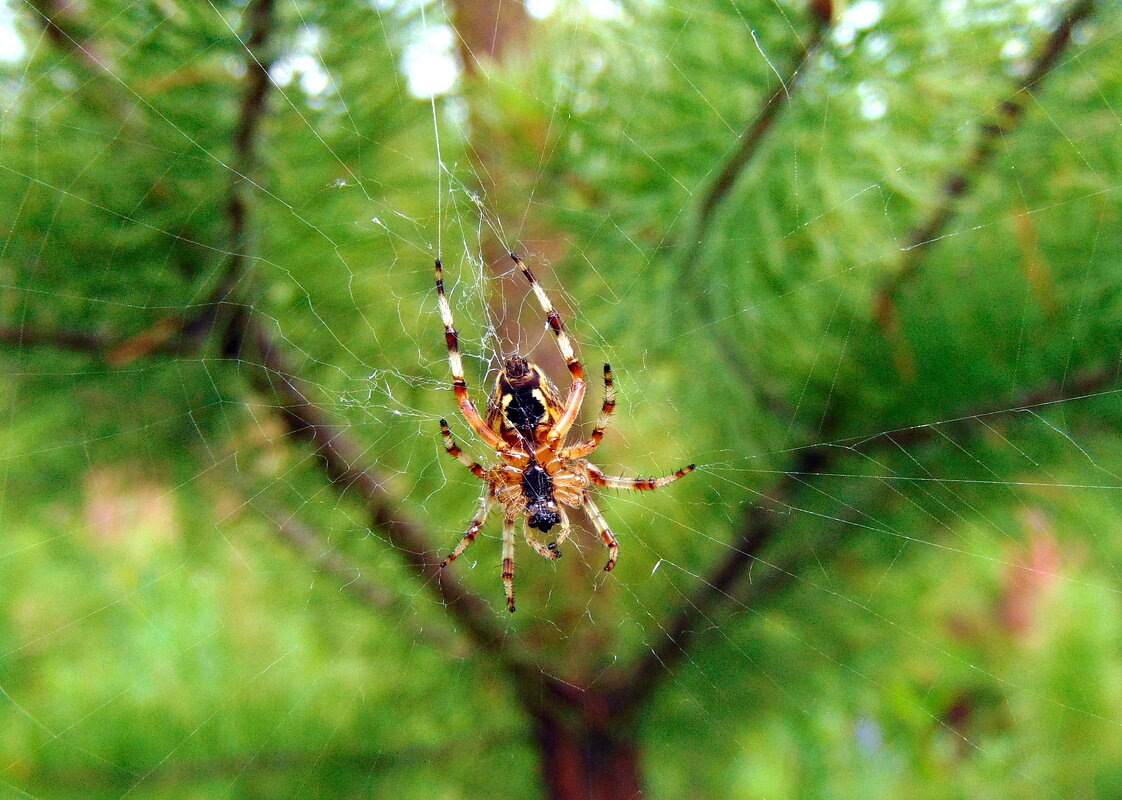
328 561
65 31
258 60
753 135
760 526
715 195
80 341
1085 384
763 525
1008 115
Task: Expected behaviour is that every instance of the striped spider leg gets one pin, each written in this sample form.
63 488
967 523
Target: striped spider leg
553 319
585 448
641 484
456 363
472 531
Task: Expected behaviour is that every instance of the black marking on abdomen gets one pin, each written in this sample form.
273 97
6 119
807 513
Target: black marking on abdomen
524 411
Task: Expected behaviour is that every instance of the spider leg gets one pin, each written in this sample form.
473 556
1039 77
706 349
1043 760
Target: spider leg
566 529
549 552
565 345
472 531
458 454
583 449
456 363
508 562
646 484
605 532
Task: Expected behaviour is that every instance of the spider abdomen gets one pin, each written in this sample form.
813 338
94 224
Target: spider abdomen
525 405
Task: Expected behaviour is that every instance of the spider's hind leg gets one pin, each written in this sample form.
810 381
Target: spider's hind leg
566 529
565 345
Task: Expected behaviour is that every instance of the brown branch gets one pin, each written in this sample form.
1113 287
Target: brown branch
343 462
79 341
258 60
66 32
632 687
715 195
762 525
753 135
1007 116
780 575
330 562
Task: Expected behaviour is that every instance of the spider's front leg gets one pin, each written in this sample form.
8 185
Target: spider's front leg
583 449
508 562
605 532
458 454
472 531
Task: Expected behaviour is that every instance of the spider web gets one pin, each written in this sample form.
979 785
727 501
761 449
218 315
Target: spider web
879 312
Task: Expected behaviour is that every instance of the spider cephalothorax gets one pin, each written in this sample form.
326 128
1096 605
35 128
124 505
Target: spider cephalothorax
526 425
541 506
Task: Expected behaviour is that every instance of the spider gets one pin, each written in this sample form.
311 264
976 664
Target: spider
526 425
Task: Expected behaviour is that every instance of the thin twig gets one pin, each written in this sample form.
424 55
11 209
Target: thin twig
1005 120
315 550
631 688
68 33
65 31
258 60
761 525
735 165
61 339
753 135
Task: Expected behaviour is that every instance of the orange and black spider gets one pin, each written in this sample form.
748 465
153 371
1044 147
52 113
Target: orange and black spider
526 426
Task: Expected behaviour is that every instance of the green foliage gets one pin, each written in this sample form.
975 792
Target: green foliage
938 618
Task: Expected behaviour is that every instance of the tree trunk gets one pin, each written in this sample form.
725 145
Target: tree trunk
586 762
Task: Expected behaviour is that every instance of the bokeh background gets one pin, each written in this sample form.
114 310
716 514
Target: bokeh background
861 262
